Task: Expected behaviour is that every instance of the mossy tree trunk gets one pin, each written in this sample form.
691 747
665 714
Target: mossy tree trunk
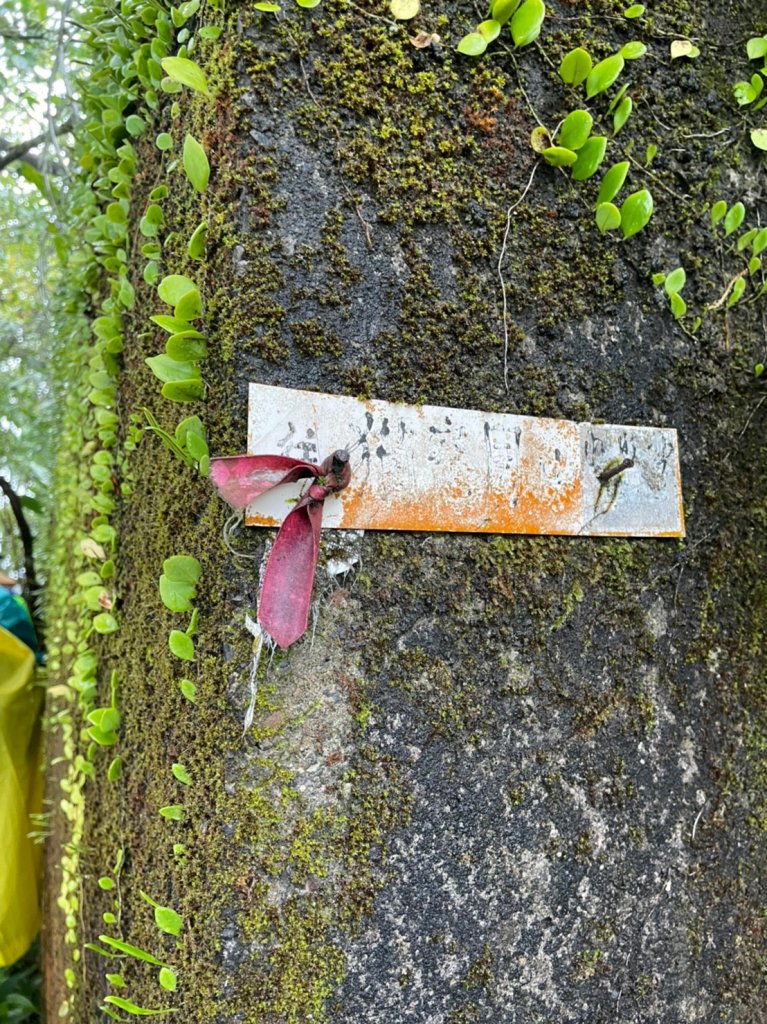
506 778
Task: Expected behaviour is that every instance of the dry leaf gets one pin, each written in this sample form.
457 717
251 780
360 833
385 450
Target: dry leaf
91 549
683 48
424 39
105 600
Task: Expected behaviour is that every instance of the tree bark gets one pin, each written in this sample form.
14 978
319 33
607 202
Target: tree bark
502 779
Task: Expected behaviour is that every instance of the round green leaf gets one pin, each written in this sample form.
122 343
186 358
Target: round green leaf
173 812
756 47
167 979
105 623
502 10
760 242
635 11
166 369
636 212
612 182
308 4
473 44
182 569
404 10
177 597
527 21
188 689
604 74
575 129
558 156
718 211
591 155
163 141
181 645
489 30
196 163
759 138
115 769
135 125
575 66
167 920
185 72
608 217
675 281
622 113
174 287
633 50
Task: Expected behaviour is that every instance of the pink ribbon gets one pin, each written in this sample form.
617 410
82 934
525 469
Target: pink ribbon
286 594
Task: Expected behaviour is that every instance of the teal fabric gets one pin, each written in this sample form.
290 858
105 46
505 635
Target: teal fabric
15 617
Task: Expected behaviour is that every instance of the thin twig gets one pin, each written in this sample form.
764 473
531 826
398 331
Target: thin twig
509 212
753 413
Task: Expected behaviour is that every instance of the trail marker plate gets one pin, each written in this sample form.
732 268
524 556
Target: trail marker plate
425 467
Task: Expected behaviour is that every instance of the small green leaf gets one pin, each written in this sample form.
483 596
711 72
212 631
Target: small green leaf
115 769
744 93
636 212
737 291
759 138
658 279
404 10
163 141
188 689
746 239
106 883
177 597
308 4
105 623
575 129
633 50
174 287
185 350
173 812
608 217
129 950
167 979
266 8
650 154
756 47
210 32
618 97
558 156
527 21
575 67
137 1011
180 773
612 182
502 10
196 246
473 44
182 568
489 30
196 163
166 369
621 115
675 281
635 11
604 74
135 125
185 72
754 265
167 920
183 390
718 211
590 157
734 218
759 369
116 979
678 305
104 739
760 242
181 645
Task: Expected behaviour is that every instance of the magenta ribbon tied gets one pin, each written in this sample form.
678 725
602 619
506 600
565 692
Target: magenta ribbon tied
286 593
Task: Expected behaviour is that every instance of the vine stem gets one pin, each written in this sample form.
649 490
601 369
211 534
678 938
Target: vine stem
509 212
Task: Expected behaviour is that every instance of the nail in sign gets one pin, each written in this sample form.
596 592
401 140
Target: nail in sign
461 470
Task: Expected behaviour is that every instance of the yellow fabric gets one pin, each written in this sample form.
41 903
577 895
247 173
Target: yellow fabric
21 784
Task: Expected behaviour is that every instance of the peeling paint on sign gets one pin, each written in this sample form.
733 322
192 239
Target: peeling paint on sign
461 470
